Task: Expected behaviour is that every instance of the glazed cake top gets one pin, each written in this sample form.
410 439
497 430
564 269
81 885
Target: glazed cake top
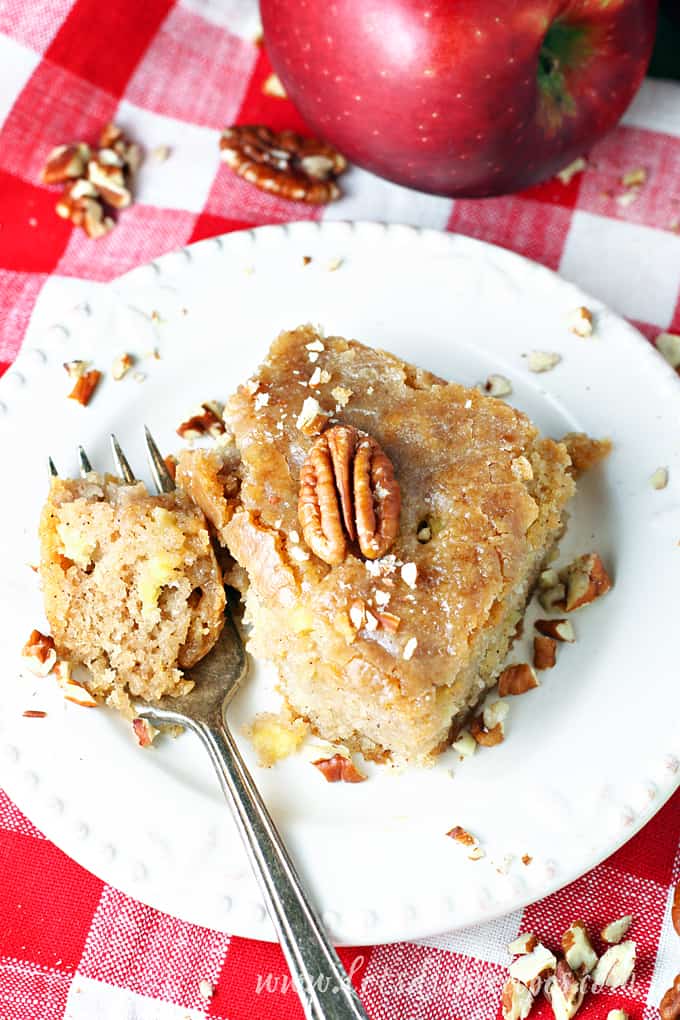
475 476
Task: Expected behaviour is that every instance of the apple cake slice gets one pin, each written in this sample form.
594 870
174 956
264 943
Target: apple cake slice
132 588
391 526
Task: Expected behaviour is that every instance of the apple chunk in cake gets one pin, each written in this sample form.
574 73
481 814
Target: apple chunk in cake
132 587
384 644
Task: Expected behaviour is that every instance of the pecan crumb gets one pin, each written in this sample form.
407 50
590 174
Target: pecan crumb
580 321
205 989
121 366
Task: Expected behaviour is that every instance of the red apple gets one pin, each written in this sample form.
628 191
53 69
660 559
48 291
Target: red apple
461 97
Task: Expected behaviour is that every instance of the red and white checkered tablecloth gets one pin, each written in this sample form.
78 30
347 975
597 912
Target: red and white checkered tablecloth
174 74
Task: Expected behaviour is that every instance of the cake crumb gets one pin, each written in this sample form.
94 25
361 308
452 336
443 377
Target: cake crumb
659 479
275 736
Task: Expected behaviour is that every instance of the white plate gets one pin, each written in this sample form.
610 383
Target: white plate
588 757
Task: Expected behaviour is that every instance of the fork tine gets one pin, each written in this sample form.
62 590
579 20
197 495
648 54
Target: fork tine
120 460
85 466
52 468
159 470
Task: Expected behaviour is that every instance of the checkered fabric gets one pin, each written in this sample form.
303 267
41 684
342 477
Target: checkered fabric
174 74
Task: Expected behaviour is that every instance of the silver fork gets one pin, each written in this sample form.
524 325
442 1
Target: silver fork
324 987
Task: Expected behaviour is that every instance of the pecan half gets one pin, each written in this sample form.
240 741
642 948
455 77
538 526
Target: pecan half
284 163
348 492
669 1007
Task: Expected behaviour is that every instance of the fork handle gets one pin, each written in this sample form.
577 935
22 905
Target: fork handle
324 987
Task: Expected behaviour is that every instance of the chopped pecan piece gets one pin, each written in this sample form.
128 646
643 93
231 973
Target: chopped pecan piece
516 1000
348 492
615 930
311 418
85 386
34 713
560 630
545 652
467 840
552 598
517 679
498 386
523 944
208 420
484 736
144 732
39 654
72 690
285 163
539 963
65 163
565 992
615 967
109 178
585 580
339 769
578 950
80 204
